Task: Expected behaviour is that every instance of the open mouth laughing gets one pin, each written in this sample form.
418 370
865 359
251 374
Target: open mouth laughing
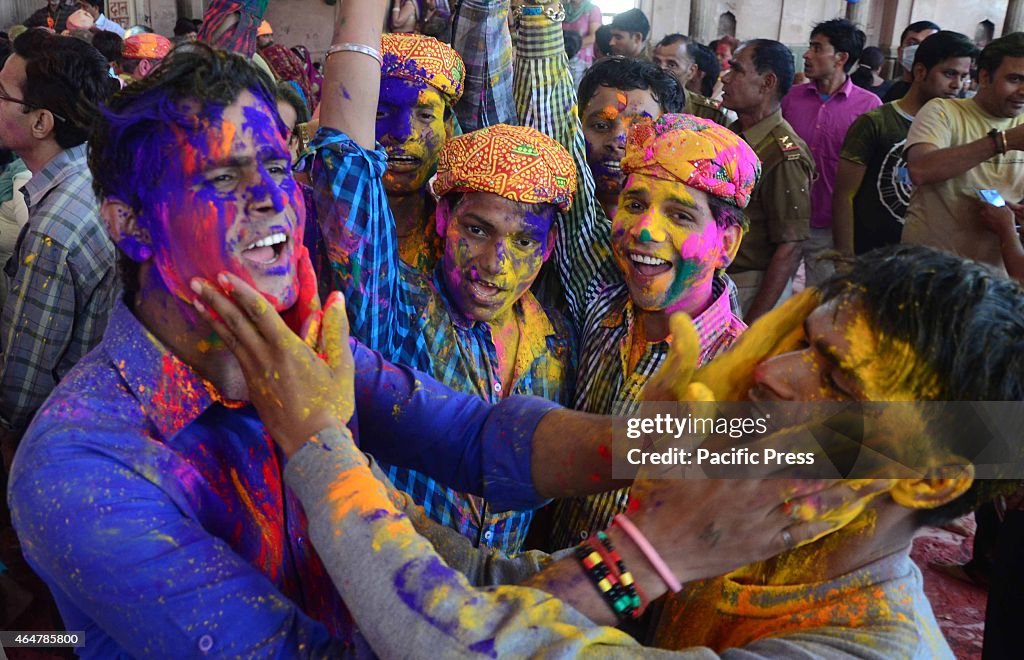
649 266
267 251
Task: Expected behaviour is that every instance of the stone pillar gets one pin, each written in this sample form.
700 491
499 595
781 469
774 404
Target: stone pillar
1014 17
859 13
703 20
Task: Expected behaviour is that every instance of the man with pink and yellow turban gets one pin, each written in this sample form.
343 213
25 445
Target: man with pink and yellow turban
678 225
471 322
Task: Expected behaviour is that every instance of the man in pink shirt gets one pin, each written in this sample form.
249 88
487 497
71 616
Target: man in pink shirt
821 111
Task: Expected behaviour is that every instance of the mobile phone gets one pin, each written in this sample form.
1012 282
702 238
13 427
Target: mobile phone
991 197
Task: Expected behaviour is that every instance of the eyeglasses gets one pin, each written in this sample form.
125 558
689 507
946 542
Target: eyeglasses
4 96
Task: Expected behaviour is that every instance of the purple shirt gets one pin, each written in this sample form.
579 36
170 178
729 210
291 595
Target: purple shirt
823 125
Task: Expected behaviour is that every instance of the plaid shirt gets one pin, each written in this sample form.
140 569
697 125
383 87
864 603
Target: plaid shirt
410 319
487 53
594 289
63 286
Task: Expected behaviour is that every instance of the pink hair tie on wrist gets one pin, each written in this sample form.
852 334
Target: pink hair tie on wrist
648 551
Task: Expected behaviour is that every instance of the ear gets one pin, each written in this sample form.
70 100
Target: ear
771 82
918 69
983 77
124 230
691 71
731 237
842 58
941 485
143 69
552 236
43 125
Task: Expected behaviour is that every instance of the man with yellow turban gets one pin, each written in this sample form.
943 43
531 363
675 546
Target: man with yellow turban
421 81
471 322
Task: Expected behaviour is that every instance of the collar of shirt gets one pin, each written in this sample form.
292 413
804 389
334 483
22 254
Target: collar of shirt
811 89
171 393
759 131
60 167
711 324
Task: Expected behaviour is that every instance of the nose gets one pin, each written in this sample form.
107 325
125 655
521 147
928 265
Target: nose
646 229
786 376
395 127
264 195
492 260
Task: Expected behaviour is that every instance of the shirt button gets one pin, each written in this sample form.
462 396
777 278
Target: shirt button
205 643
497 387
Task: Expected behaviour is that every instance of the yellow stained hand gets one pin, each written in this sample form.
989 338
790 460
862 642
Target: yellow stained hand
731 375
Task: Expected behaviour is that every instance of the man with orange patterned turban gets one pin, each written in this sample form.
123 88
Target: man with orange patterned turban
471 322
141 54
421 81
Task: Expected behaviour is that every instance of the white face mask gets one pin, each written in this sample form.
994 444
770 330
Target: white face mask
908 57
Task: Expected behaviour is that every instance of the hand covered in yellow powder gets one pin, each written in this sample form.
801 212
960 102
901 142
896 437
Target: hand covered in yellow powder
731 375
296 392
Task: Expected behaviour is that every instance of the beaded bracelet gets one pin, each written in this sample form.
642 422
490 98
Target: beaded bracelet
632 597
608 583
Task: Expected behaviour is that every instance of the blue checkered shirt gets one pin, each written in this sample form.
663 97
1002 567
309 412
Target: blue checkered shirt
409 318
63 287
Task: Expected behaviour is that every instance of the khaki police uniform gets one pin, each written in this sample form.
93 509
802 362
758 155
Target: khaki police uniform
702 106
780 207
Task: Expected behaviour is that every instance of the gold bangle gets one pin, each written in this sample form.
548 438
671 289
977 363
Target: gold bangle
1002 142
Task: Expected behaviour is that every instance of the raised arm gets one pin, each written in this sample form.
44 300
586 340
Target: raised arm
482 39
351 203
546 100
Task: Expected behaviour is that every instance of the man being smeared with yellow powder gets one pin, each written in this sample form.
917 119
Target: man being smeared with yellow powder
852 593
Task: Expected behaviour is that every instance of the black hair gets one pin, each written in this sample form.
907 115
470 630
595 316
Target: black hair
136 130
672 39
844 36
963 322
101 4
184 26
872 57
286 91
627 74
109 44
632 20
603 39
707 62
942 46
66 76
1010 45
769 55
726 214
573 42
917 26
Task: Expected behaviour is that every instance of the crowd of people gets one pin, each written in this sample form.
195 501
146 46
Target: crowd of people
324 359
